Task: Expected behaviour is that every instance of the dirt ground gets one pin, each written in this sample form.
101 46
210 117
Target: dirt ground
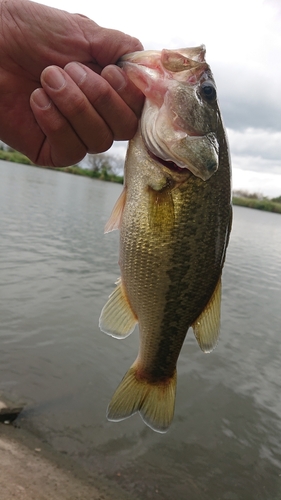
28 472
31 470
26 475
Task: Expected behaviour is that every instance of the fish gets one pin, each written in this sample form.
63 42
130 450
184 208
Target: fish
174 215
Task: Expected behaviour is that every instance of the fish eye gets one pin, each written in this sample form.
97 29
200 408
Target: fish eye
208 91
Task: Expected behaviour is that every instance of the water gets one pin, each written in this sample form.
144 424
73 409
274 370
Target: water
57 269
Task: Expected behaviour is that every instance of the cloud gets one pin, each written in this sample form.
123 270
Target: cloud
256 182
256 160
261 145
248 96
119 149
256 164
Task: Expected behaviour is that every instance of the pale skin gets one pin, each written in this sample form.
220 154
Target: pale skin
61 94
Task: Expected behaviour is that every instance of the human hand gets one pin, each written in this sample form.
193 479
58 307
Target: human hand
56 110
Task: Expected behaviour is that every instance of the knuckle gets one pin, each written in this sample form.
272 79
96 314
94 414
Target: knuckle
56 125
77 106
102 95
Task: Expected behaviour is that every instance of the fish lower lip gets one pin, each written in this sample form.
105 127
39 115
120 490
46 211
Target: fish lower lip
169 164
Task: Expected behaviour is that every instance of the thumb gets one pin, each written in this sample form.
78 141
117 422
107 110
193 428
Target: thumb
107 46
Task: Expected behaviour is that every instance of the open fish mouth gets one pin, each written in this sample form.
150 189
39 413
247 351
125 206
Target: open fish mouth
176 147
202 159
171 165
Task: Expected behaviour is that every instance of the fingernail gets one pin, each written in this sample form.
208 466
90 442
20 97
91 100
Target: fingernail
76 72
53 77
115 77
41 99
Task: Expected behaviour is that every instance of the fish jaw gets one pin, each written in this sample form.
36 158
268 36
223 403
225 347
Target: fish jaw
179 124
197 153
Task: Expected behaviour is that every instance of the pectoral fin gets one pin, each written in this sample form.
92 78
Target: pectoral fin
206 328
117 318
114 220
161 209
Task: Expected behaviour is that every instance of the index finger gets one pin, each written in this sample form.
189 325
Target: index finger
126 89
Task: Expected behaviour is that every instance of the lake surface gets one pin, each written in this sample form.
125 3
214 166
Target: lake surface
57 269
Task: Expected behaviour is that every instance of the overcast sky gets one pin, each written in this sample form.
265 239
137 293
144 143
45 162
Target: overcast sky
243 42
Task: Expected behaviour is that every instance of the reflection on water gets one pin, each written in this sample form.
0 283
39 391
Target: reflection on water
57 269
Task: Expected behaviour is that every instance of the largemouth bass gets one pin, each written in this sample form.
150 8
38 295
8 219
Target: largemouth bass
174 217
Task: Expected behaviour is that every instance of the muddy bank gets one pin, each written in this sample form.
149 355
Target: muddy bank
28 471
31 470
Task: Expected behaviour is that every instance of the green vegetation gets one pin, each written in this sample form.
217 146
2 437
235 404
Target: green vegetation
257 201
277 200
103 175
267 205
14 156
101 166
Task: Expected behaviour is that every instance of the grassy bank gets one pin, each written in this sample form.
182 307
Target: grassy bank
103 174
15 157
264 204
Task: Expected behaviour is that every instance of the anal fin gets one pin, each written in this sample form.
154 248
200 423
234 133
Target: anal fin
206 327
117 318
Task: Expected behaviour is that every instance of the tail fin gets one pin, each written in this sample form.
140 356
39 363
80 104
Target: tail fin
154 401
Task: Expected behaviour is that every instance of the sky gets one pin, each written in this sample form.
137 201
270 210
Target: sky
243 44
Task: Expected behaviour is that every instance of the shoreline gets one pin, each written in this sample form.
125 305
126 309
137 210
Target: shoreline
102 175
30 469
